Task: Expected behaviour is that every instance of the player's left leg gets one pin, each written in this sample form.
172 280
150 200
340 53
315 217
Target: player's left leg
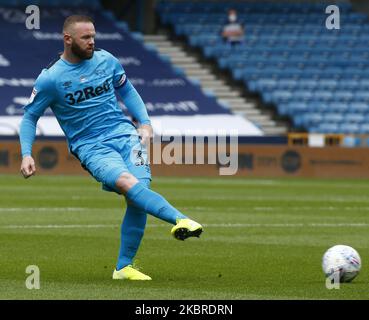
152 202
146 199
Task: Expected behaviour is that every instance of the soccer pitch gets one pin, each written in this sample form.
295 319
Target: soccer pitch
263 239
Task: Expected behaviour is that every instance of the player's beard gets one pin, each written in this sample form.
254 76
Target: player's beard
80 53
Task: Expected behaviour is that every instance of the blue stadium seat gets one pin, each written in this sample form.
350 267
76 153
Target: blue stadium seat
327 84
342 96
354 118
333 117
364 84
323 95
302 95
349 128
309 119
347 84
364 129
318 106
338 107
362 96
296 108
307 84
325 128
359 107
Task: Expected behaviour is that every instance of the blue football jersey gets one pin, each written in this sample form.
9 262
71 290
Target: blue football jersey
82 97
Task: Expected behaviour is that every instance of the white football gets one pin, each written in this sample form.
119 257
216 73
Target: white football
343 259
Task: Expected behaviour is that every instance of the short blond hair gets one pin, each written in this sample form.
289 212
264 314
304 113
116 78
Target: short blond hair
74 19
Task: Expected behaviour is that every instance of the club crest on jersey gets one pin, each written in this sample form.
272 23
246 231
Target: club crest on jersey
87 93
66 85
100 72
82 79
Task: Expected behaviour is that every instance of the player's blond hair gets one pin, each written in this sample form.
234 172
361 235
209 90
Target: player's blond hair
69 21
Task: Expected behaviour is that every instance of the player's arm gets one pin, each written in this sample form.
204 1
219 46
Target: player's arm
136 107
133 101
40 99
27 134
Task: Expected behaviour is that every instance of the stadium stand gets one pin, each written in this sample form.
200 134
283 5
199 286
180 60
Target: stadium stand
173 102
319 78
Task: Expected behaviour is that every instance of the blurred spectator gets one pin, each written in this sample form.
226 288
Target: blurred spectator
233 31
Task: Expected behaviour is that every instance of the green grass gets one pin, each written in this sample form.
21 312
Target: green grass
263 239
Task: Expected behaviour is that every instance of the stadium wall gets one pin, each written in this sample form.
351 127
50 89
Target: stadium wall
252 160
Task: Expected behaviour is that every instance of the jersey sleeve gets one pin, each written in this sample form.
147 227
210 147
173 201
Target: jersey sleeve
42 95
131 98
134 103
119 76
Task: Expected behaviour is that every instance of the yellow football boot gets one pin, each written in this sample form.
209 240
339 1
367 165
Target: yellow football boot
186 228
128 273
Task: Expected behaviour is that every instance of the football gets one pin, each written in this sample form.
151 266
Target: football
343 259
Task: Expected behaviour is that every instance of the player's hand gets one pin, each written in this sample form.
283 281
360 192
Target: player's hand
28 167
145 131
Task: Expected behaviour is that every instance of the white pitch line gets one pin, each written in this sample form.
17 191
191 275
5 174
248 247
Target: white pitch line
58 226
197 208
213 225
200 209
329 208
43 209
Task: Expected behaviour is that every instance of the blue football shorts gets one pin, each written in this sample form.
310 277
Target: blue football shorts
107 160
